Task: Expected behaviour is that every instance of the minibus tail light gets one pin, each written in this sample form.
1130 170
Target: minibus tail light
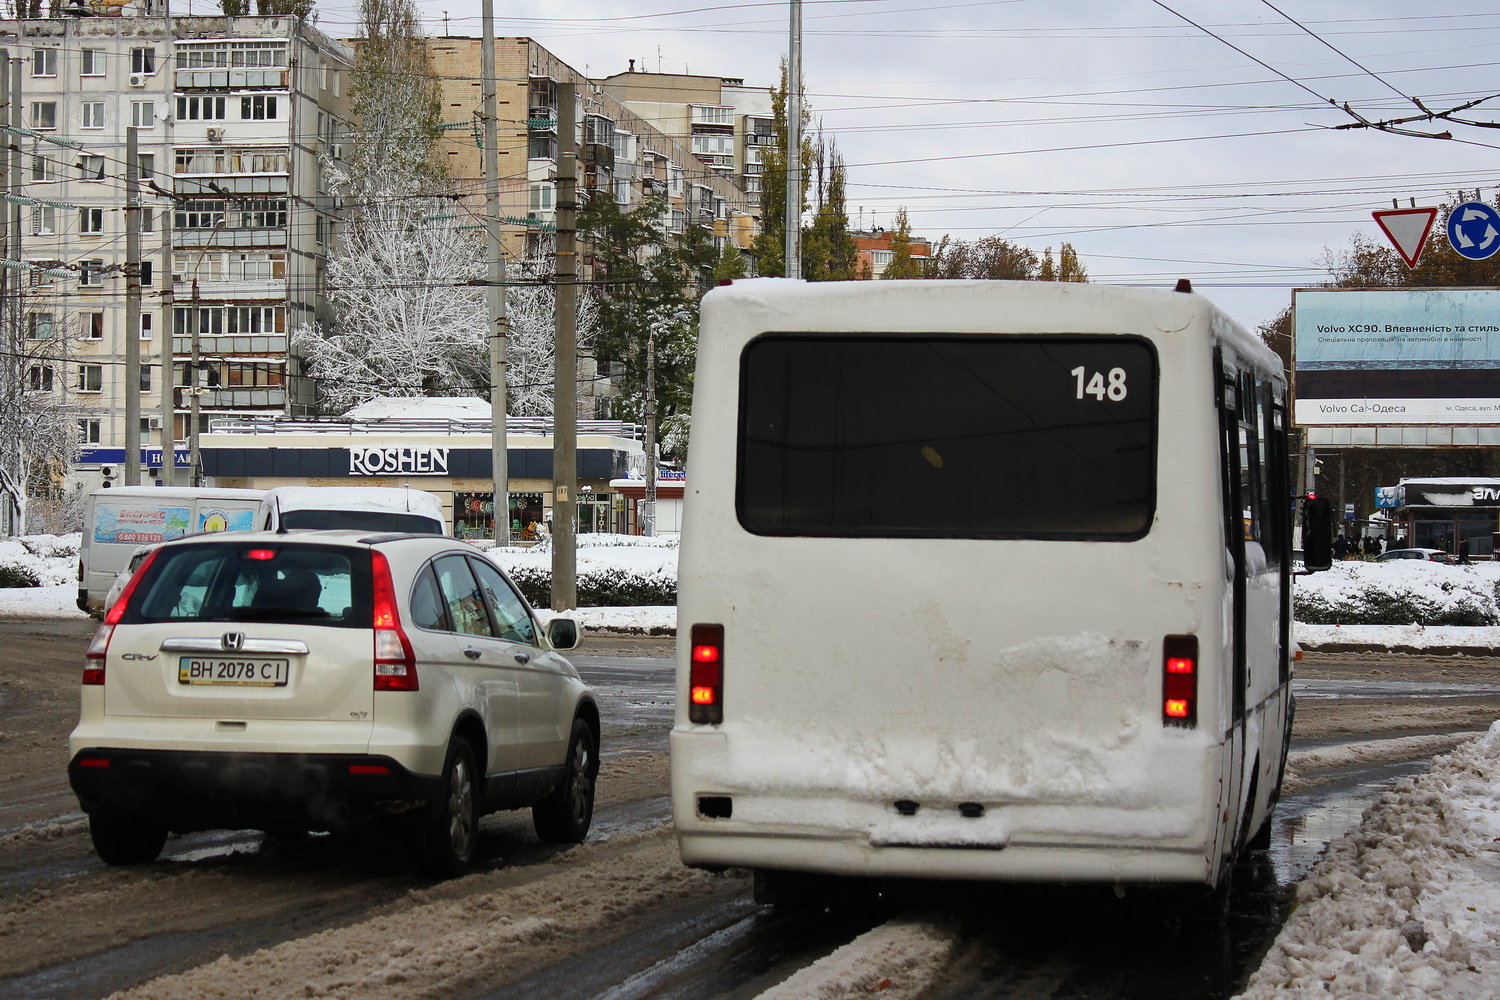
1179 681
706 675
395 663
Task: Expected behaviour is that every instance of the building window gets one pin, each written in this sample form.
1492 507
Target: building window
91 221
44 221
39 326
93 62
261 213
260 108
541 197
145 378
143 60
90 378
542 146
93 326
143 114
39 378
148 273
44 114
43 62
148 220
200 109
145 165
199 215
147 323
42 169
91 272
89 430
93 114
91 168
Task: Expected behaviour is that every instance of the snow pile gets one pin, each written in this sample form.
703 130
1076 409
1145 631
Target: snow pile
1408 904
895 960
1399 592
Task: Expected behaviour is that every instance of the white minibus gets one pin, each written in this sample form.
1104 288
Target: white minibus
980 580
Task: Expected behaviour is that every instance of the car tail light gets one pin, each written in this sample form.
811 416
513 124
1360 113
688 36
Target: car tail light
706 675
93 660
395 663
1179 680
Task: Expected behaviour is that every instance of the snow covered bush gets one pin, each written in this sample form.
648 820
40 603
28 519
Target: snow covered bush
1399 593
614 571
38 560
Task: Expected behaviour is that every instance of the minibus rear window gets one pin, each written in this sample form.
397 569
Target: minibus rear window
957 436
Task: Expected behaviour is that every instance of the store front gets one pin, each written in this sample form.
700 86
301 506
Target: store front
1440 513
449 456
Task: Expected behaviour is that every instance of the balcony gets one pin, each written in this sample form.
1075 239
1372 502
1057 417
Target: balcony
230 346
244 398
235 79
224 239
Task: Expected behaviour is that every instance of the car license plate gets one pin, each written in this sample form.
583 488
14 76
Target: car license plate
247 671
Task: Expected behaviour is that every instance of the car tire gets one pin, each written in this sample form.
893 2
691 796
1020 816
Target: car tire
122 839
450 836
563 817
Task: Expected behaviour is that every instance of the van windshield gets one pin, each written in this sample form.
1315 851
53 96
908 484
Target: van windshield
956 436
360 520
237 582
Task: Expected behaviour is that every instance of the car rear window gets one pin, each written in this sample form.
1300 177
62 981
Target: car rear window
360 520
240 582
940 435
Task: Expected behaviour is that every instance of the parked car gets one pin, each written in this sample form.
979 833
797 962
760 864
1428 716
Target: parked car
321 680
123 576
1431 555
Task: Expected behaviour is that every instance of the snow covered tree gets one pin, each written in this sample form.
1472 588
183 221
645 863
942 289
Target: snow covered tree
411 316
531 351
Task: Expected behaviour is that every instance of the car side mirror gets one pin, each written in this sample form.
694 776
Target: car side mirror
562 633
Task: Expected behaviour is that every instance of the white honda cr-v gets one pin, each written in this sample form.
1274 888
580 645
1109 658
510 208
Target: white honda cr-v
319 680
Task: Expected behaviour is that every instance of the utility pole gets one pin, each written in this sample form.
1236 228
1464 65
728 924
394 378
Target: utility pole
495 289
565 384
167 350
132 308
648 505
193 390
14 286
794 145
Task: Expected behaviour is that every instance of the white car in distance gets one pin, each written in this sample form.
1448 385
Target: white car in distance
320 680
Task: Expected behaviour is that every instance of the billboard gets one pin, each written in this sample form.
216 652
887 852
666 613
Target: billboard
1396 356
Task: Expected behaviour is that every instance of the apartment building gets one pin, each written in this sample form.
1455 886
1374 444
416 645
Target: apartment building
875 253
621 152
235 122
726 125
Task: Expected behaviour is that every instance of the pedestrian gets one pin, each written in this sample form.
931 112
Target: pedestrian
1340 546
1463 552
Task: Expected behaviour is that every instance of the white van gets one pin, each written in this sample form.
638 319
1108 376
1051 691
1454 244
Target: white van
980 580
362 508
121 519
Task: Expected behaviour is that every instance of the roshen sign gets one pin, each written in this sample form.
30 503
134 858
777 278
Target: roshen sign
409 460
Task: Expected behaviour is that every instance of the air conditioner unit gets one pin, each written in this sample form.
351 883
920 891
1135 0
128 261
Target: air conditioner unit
154 423
336 150
138 79
215 135
109 471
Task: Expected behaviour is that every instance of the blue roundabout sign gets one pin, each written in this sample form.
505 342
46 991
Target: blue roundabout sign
1474 230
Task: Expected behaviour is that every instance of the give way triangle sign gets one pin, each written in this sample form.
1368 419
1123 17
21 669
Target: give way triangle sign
1407 229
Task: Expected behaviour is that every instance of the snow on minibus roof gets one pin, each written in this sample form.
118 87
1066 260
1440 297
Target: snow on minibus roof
353 498
968 306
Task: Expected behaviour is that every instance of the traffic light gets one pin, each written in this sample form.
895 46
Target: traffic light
1317 533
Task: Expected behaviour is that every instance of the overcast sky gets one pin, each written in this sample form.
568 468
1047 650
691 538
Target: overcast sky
1154 147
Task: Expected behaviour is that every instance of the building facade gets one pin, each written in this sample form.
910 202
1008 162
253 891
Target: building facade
875 253
236 122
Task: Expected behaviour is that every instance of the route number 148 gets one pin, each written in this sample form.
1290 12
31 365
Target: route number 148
1095 385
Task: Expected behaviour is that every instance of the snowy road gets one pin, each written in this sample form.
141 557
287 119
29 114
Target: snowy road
232 915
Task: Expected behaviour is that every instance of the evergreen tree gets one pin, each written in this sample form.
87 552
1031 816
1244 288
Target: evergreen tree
769 246
732 264
828 251
903 265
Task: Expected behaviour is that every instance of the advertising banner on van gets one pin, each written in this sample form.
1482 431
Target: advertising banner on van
226 519
1396 356
137 525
